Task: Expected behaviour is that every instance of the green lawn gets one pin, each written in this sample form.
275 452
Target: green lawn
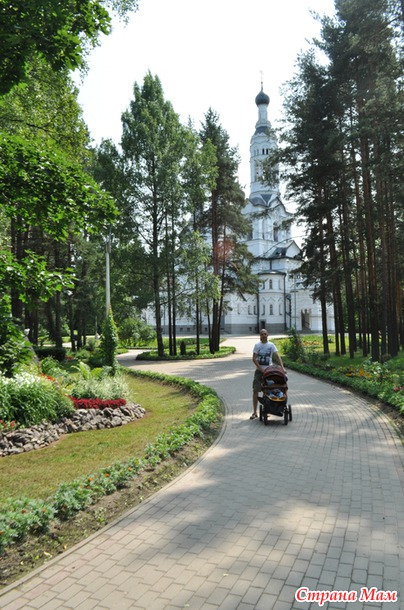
37 474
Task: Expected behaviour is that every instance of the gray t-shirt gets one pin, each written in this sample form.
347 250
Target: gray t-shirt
264 352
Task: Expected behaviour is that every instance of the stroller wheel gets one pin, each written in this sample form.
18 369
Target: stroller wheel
290 412
260 412
285 416
265 415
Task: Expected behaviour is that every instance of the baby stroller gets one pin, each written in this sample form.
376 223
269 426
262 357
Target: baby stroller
274 399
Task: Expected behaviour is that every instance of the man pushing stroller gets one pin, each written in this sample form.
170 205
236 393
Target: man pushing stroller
263 354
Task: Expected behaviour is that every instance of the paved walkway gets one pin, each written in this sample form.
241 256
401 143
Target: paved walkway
317 504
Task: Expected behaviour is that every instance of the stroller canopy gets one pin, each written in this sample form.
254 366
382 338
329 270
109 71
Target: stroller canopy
275 374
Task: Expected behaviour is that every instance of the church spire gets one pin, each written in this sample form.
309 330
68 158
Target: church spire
262 143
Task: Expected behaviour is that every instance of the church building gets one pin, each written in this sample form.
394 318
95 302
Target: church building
281 302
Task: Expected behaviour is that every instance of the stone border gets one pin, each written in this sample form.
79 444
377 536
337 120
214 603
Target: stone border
22 440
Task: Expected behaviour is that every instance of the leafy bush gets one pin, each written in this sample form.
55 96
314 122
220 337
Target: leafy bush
190 355
14 347
134 331
29 400
293 347
58 353
109 341
106 388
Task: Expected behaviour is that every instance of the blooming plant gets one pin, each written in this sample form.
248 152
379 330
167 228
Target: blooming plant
8 426
23 516
97 403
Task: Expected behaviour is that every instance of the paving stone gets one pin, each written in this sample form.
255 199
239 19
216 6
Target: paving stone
268 509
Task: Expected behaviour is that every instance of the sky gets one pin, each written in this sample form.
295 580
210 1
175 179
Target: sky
207 54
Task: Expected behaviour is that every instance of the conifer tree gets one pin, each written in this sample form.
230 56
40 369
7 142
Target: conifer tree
224 222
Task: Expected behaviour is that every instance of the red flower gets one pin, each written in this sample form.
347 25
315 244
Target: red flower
97 403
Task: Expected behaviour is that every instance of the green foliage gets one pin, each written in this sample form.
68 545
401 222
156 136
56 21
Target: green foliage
31 278
109 341
29 400
134 331
23 516
75 496
189 355
52 191
14 348
104 386
56 30
56 353
51 367
293 346
384 381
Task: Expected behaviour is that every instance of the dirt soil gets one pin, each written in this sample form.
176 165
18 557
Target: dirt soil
20 559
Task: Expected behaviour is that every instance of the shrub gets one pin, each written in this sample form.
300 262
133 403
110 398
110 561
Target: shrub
293 346
29 400
15 350
58 353
134 331
109 341
106 388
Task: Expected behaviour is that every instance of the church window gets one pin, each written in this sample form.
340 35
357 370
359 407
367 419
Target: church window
280 309
263 309
276 233
249 310
270 284
255 310
271 310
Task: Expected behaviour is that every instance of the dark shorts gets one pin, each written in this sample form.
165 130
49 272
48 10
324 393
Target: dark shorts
257 381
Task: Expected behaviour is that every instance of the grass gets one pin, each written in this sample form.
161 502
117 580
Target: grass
315 343
383 381
37 474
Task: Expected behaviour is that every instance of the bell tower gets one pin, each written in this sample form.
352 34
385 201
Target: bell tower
262 144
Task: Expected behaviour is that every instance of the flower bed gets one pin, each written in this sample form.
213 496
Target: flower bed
97 403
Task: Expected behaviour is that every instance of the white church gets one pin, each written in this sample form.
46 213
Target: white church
281 301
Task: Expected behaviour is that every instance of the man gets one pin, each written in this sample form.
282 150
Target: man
263 353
